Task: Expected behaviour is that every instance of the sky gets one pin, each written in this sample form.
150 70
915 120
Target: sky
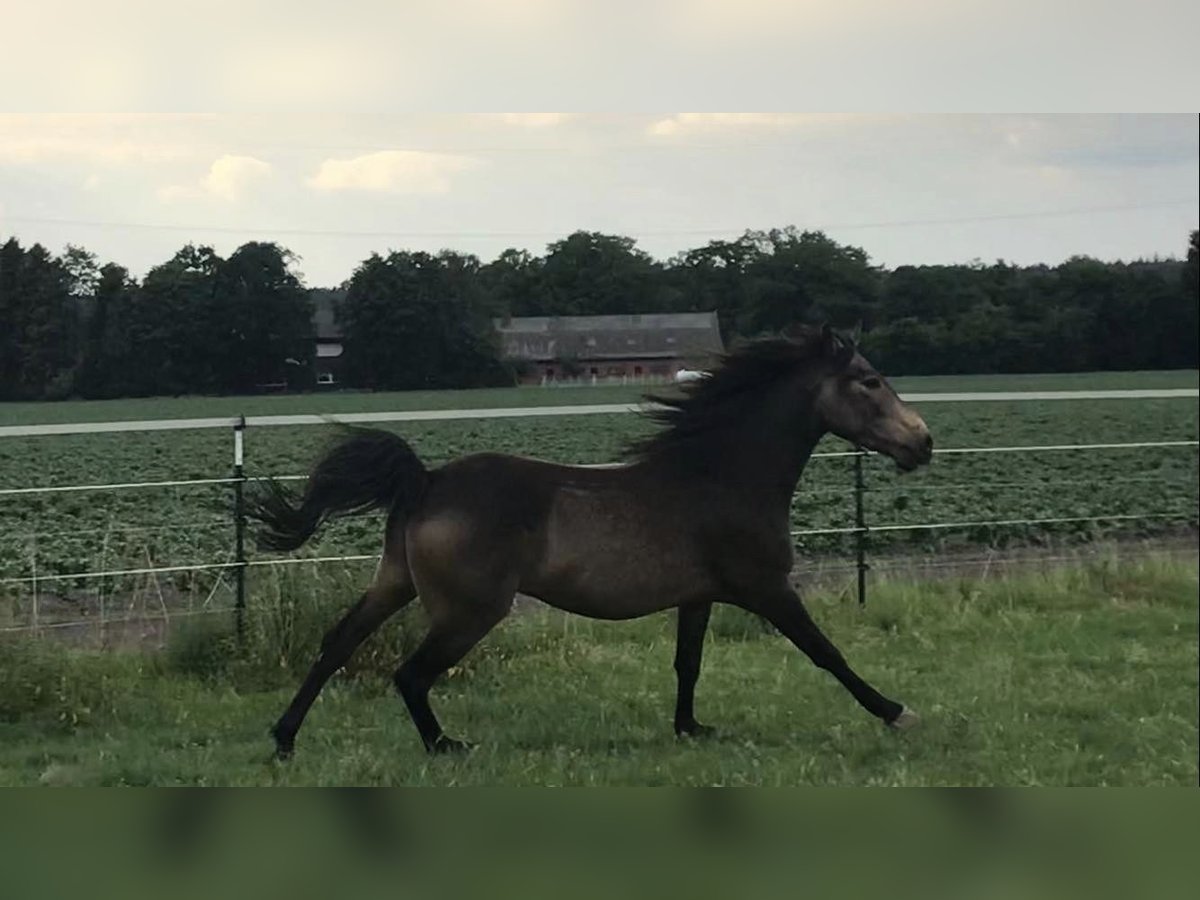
908 188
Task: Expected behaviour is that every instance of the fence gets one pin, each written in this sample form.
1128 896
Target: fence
239 565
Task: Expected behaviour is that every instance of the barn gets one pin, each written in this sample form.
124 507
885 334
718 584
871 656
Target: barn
648 347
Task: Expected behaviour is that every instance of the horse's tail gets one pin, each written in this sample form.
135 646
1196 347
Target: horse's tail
367 469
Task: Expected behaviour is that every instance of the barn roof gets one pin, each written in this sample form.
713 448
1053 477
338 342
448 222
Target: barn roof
646 336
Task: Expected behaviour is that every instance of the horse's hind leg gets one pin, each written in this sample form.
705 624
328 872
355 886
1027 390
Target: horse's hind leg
689 645
390 592
455 630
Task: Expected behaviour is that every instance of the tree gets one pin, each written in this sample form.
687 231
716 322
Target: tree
929 292
907 346
265 330
1190 277
715 277
83 275
1182 323
413 320
83 271
106 351
12 259
203 324
513 284
175 327
589 273
35 317
200 323
805 276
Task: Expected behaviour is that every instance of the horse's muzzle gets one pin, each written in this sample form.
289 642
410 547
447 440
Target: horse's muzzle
913 455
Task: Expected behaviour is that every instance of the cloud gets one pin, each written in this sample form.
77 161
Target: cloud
681 122
534 120
1113 141
230 175
393 171
228 179
27 141
684 123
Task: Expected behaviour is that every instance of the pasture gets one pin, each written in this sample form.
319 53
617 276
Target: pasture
1076 675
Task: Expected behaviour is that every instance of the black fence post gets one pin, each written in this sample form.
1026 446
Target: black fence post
860 525
239 517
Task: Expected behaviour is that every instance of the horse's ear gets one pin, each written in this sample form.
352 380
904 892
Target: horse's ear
836 347
830 344
793 331
856 334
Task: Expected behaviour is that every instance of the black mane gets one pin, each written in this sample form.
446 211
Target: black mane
718 400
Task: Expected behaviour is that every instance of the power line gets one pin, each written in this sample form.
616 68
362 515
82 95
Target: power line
681 232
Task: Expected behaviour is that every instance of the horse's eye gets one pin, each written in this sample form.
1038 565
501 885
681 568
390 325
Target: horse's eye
871 383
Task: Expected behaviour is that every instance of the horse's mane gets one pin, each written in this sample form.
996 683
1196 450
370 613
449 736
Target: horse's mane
719 399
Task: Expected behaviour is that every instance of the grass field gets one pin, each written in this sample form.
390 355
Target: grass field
1085 675
344 402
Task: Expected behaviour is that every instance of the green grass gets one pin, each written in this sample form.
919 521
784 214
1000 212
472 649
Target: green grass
1058 381
290 404
1084 675
345 402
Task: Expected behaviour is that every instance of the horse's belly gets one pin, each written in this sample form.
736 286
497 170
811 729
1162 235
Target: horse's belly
608 553
618 582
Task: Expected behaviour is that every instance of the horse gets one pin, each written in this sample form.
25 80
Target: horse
696 514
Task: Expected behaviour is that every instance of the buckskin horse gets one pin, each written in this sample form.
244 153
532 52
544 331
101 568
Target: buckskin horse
697 514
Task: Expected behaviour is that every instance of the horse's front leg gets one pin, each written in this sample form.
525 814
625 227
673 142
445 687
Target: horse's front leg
783 609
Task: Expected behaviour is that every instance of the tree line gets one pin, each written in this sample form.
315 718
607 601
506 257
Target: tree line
195 324
200 323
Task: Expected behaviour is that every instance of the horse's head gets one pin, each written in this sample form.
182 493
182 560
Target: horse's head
856 403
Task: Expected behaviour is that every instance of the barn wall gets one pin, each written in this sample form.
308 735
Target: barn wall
604 370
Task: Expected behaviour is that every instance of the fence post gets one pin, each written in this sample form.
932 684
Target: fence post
239 518
860 534
33 552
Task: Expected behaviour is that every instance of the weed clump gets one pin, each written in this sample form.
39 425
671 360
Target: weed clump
39 680
202 648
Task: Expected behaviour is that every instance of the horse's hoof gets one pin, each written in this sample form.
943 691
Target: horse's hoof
285 744
445 745
695 731
906 720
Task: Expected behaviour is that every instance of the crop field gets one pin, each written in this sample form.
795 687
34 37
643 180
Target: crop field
1084 675
48 534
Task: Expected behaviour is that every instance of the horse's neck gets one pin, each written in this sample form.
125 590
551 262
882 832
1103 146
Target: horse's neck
771 463
763 459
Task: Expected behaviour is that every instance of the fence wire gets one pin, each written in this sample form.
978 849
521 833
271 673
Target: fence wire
242 565
838 454
815 572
